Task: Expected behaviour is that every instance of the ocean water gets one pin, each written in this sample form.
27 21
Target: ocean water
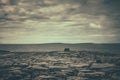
113 48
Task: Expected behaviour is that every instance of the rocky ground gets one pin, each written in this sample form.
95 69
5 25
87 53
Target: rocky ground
73 65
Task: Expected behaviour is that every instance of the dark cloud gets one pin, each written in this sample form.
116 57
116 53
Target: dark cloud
89 17
14 2
24 8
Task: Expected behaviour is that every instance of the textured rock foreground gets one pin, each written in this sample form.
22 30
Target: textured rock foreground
73 65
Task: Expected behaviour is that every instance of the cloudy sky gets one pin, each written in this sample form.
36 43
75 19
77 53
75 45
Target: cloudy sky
59 21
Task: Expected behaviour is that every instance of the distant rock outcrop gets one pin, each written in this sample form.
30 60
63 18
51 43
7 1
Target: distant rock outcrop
66 49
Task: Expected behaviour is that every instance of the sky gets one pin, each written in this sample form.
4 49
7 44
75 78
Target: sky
59 21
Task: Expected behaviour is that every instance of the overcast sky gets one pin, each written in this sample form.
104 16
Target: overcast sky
59 21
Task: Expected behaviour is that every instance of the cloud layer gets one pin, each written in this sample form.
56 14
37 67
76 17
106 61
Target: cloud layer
73 21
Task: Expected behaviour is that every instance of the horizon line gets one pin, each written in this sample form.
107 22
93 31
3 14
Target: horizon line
55 43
